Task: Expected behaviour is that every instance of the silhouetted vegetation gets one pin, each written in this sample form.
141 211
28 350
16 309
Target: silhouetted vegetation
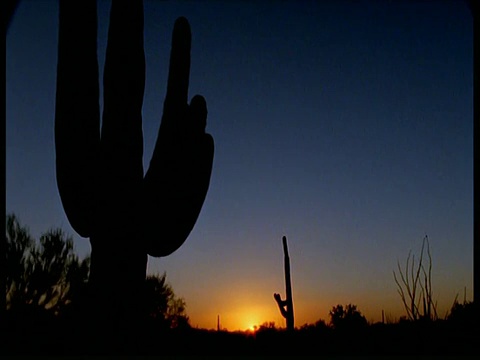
462 314
348 318
319 326
286 306
415 286
99 169
162 306
47 288
43 275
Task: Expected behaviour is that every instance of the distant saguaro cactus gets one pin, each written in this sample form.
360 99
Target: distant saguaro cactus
100 176
286 306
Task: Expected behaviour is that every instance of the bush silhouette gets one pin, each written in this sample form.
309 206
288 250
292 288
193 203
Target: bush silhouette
44 275
348 318
46 288
162 306
317 328
462 314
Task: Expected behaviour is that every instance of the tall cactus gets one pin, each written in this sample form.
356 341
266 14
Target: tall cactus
100 176
286 306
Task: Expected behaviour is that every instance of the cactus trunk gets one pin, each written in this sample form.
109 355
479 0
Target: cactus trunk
286 306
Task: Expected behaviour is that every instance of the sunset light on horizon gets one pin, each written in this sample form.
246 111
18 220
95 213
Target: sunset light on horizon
345 126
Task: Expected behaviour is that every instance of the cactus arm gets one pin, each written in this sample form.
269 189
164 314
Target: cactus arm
77 112
124 87
177 180
176 97
121 146
281 305
171 208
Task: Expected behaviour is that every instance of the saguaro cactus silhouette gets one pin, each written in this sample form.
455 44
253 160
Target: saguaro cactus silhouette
100 176
286 306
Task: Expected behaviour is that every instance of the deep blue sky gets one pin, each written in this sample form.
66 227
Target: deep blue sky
346 126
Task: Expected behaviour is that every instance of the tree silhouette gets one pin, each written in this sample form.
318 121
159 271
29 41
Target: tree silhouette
348 318
46 282
18 264
100 176
44 276
162 306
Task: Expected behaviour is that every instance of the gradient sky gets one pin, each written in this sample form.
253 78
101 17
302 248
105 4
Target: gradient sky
346 126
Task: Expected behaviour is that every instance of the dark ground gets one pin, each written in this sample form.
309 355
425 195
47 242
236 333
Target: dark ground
49 336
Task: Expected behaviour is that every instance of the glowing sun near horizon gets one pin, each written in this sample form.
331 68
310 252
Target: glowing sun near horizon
250 323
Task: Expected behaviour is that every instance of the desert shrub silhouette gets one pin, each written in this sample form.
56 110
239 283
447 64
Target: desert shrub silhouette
320 326
348 318
162 306
100 177
44 275
415 285
266 327
46 284
462 314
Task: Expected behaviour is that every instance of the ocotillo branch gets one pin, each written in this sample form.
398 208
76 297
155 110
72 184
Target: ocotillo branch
286 306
